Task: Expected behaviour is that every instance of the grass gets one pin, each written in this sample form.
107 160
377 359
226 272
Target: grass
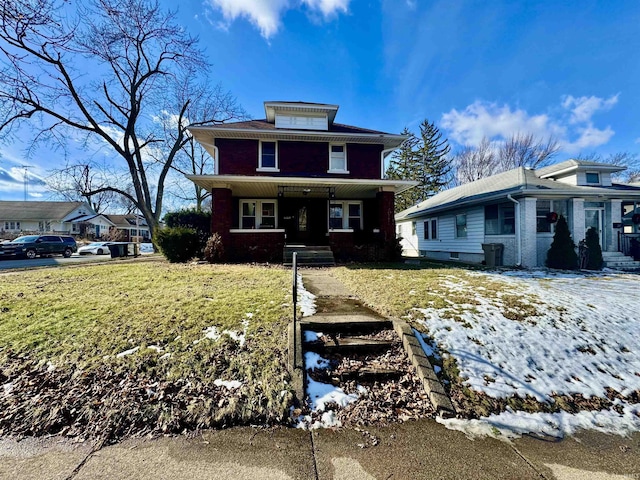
70 324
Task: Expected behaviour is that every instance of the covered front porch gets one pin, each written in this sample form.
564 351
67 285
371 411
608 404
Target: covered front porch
258 216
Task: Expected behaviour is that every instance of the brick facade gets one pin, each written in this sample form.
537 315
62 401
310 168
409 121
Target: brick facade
256 247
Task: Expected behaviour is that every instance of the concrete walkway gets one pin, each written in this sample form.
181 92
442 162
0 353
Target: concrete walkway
414 450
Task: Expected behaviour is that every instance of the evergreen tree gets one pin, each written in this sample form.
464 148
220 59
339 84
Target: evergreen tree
562 253
423 158
594 261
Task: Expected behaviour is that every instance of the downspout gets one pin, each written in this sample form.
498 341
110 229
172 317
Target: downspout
383 154
216 160
517 226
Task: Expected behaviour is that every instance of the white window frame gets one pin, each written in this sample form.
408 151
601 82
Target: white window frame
455 225
428 225
345 214
344 151
268 169
586 174
258 215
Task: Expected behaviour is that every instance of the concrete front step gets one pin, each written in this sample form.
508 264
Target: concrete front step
633 265
309 255
348 344
345 324
368 374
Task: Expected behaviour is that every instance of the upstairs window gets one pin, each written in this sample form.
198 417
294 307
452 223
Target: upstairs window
268 156
593 178
338 158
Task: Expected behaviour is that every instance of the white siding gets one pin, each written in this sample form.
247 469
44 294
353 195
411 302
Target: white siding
447 241
409 241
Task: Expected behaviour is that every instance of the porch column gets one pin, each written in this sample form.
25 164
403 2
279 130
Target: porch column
386 220
612 233
528 236
222 216
577 226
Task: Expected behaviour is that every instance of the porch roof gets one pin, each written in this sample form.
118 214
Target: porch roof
268 187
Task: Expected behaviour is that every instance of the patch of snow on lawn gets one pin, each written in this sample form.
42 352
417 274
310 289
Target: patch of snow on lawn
585 338
7 388
306 299
131 351
212 333
511 424
228 384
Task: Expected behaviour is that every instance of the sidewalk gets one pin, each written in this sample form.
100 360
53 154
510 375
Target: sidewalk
413 450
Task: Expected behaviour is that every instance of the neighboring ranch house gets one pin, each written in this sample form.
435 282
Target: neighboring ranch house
134 228
19 217
517 209
297 178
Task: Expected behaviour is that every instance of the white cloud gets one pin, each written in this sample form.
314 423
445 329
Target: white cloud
574 132
583 108
485 119
266 15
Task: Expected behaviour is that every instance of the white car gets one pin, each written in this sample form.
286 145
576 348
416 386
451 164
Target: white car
95 248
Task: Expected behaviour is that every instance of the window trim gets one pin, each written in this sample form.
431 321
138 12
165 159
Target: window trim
258 215
345 215
346 165
500 209
267 169
428 229
455 219
586 177
552 208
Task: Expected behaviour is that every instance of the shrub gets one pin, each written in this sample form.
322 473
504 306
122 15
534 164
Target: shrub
594 251
214 250
191 218
562 253
177 244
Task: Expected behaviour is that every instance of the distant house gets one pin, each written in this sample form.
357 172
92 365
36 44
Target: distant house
18 217
297 179
517 209
132 227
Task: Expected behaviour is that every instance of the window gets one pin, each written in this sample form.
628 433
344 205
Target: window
345 215
268 156
338 158
12 225
431 229
413 228
543 208
257 214
461 226
593 177
499 219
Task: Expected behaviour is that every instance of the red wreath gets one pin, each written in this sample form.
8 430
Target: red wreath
636 218
552 217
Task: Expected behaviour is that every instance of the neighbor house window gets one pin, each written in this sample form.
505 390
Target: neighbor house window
345 215
499 219
461 225
12 225
431 229
268 156
593 177
338 158
257 214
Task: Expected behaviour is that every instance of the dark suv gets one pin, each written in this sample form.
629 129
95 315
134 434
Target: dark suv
31 246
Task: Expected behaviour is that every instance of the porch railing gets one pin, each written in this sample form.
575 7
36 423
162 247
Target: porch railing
629 244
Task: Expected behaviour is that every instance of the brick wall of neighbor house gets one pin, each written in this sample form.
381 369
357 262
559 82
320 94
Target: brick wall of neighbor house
256 247
240 157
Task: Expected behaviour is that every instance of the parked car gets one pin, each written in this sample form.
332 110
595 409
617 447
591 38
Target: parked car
95 248
31 246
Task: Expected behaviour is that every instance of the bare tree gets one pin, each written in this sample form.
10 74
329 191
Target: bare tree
623 159
474 163
102 72
74 180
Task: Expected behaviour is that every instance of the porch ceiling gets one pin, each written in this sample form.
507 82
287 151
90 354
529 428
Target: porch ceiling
268 187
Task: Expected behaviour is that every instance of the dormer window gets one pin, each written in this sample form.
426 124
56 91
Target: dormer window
593 178
338 158
268 157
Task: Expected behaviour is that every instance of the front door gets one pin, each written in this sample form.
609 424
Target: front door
304 220
593 218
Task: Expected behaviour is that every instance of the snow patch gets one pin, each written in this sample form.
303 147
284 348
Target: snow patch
131 351
310 336
228 384
306 299
314 361
322 394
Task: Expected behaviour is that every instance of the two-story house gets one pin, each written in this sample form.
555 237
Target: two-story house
298 178
518 209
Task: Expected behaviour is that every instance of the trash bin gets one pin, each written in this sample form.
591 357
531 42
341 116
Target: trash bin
493 254
118 250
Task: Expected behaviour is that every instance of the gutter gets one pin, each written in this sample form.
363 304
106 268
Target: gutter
517 226
383 154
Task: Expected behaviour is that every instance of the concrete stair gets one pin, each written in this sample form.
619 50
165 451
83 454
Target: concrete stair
316 256
619 261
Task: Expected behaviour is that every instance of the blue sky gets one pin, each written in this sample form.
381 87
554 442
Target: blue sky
476 68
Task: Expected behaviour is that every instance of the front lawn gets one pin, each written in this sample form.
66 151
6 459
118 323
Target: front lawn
124 349
519 341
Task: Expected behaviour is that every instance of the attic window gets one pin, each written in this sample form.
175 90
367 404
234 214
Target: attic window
593 178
